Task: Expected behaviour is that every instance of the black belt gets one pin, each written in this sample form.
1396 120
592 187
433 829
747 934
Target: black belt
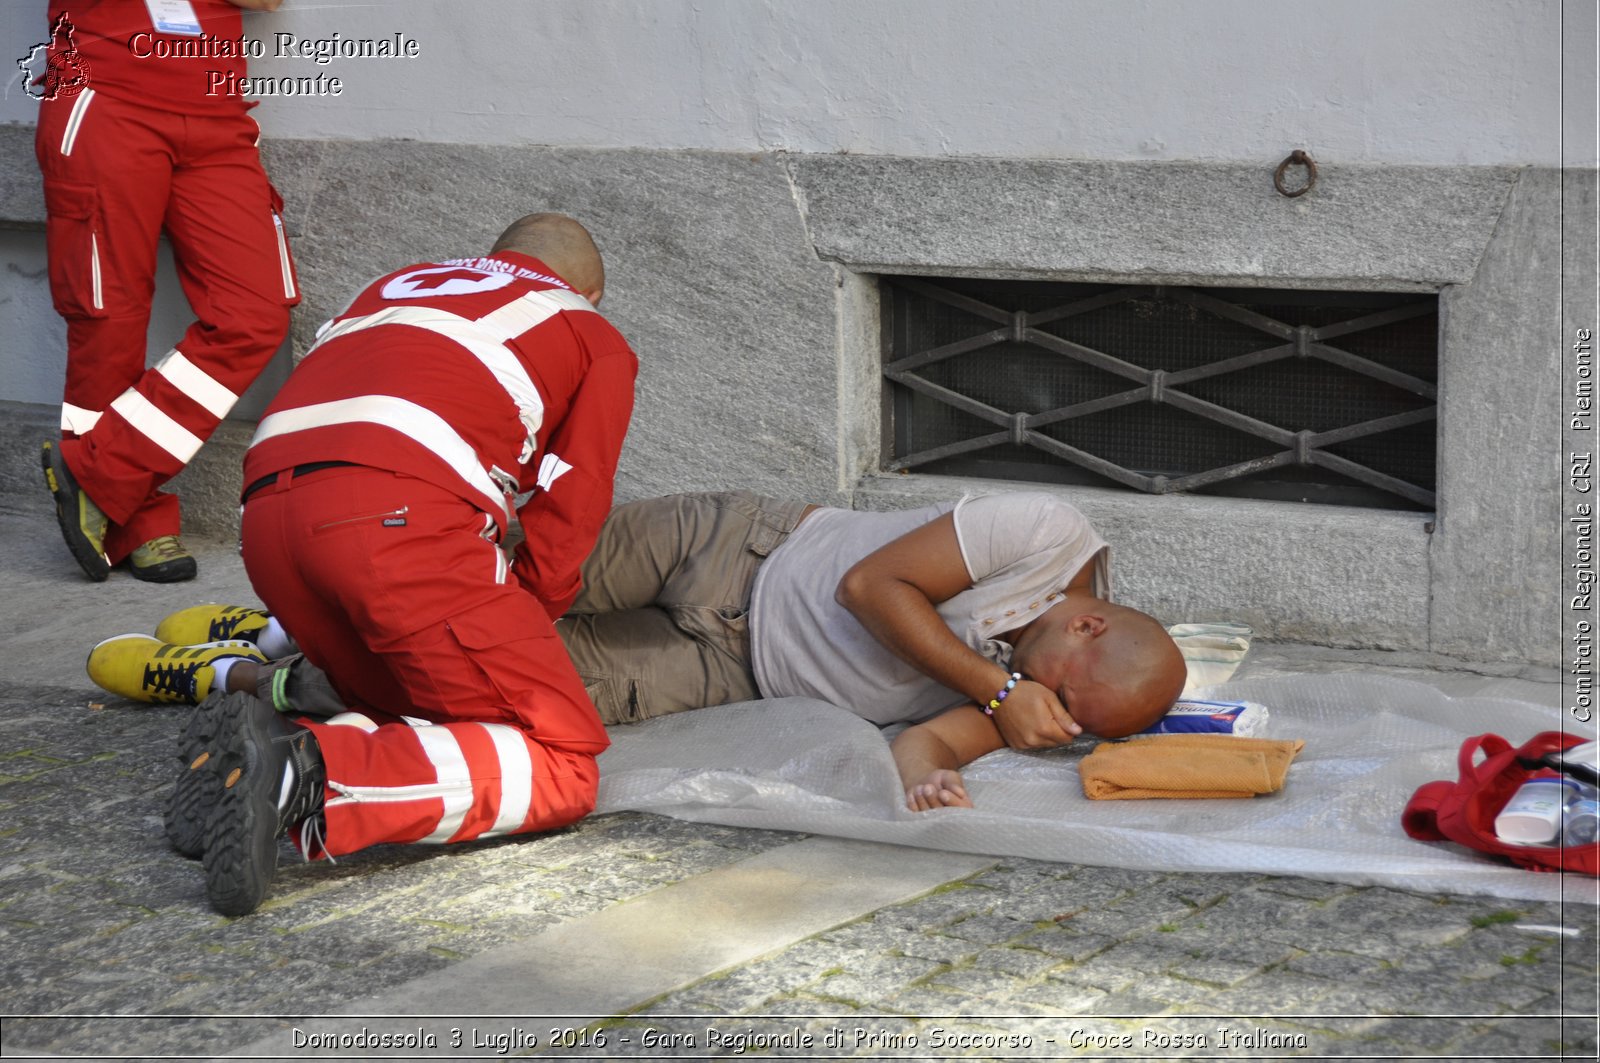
298 470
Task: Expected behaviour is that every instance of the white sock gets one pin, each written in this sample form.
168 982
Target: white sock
221 668
274 641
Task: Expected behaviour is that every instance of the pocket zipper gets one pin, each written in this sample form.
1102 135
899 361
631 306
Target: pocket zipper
402 511
283 257
390 794
94 270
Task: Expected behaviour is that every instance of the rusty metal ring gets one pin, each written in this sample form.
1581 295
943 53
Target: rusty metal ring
1296 158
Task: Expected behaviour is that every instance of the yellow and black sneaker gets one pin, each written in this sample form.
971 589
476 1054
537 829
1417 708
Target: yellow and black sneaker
162 560
211 623
83 525
141 668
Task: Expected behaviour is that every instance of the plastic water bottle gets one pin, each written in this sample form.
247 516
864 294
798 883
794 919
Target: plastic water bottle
1580 820
1535 813
1582 823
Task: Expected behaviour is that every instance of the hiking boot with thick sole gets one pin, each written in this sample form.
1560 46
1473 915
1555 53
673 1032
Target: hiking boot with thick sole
141 668
162 560
271 777
211 623
197 789
83 525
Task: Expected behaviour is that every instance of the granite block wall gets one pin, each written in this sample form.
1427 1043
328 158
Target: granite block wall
746 281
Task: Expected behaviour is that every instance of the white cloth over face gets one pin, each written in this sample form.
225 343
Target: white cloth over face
801 765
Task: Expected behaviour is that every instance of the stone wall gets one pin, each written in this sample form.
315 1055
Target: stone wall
746 283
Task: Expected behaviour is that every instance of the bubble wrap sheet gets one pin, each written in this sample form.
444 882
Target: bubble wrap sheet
801 765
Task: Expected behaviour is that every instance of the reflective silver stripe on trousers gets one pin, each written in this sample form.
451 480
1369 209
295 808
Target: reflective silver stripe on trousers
283 256
78 420
149 419
80 107
455 778
196 383
98 293
157 425
454 787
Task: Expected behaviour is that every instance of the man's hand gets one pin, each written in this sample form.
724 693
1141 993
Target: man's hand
927 755
941 788
1032 717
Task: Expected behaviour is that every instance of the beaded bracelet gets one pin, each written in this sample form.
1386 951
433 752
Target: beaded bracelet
994 702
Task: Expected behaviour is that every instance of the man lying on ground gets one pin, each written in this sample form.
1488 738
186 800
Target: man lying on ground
984 623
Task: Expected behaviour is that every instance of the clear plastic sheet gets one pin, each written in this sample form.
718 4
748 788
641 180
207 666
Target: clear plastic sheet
802 765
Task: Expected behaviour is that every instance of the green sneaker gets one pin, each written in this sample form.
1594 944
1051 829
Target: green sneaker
83 525
162 560
141 668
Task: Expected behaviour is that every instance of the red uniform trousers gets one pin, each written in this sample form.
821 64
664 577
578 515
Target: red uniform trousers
116 174
466 717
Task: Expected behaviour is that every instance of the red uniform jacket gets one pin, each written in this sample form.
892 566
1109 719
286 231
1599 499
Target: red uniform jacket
488 377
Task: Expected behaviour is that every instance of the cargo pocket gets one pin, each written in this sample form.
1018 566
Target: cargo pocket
505 661
73 233
614 698
291 289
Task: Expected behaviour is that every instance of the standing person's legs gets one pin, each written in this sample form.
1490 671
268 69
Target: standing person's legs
662 623
107 170
233 262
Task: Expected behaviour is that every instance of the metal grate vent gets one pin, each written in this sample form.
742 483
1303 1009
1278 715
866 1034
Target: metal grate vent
1250 392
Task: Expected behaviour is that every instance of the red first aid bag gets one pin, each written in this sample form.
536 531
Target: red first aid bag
1463 811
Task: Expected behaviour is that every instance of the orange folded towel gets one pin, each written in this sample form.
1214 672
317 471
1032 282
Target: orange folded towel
1187 765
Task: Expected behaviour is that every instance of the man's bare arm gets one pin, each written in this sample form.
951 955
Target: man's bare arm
893 591
929 754
257 5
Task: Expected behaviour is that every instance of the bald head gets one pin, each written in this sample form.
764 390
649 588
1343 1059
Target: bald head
1116 669
563 244
1138 658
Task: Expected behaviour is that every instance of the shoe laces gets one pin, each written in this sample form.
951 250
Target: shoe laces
300 793
166 548
314 839
223 627
176 680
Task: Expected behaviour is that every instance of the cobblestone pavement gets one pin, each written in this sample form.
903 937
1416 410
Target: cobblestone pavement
1039 959
110 949
98 917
